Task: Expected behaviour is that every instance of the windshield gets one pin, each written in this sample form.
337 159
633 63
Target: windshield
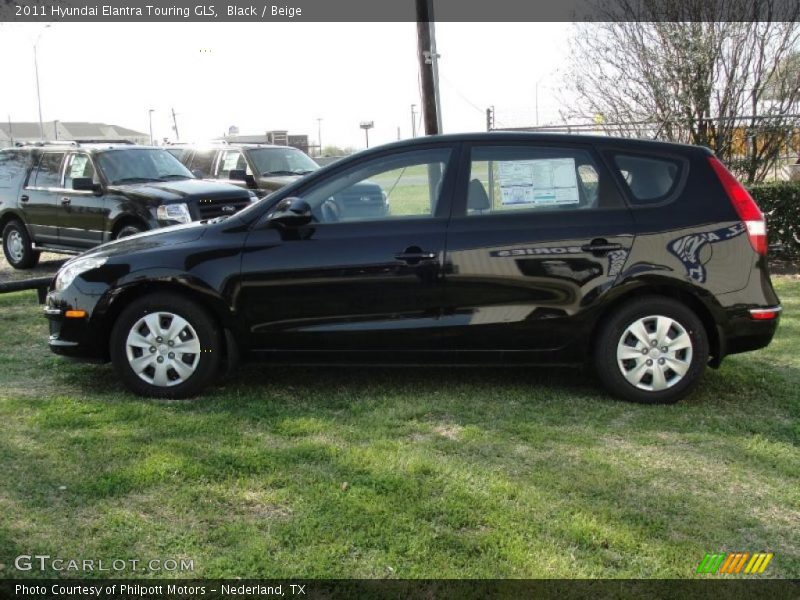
281 161
140 165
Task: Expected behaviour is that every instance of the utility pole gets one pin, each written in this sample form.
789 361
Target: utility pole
490 118
413 120
175 126
428 67
10 130
150 114
319 134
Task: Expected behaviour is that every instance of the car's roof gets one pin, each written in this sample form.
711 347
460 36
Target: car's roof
222 146
538 137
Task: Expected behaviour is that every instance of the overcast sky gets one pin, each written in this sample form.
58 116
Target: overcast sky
265 76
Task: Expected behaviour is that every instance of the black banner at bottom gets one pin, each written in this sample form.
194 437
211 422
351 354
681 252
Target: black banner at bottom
314 589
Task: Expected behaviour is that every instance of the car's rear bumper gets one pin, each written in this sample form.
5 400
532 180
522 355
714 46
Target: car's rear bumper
749 329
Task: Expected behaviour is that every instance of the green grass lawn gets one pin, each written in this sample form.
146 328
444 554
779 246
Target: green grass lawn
399 473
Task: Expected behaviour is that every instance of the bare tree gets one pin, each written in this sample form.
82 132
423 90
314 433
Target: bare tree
710 73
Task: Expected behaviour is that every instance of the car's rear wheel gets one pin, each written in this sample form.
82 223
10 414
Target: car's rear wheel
165 346
18 247
652 350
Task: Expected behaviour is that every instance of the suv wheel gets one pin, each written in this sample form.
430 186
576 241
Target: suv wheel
165 346
17 246
128 230
653 350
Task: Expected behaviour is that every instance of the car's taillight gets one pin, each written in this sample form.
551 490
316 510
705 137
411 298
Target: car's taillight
745 206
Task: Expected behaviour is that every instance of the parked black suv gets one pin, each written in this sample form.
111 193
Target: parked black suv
646 259
70 197
265 168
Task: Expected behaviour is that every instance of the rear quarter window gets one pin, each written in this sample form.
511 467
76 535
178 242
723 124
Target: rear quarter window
649 179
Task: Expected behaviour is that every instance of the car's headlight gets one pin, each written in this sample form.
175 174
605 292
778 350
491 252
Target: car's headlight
174 212
69 272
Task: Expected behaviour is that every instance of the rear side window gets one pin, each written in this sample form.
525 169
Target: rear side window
203 162
537 179
48 171
649 179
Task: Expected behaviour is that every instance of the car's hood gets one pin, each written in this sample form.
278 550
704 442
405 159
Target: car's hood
149 240
181 190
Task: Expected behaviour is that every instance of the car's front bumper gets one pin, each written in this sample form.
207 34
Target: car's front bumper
72 332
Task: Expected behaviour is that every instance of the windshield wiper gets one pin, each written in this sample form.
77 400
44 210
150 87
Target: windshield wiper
279 173
171 177
134 180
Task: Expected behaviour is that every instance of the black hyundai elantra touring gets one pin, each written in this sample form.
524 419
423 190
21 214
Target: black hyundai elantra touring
646 260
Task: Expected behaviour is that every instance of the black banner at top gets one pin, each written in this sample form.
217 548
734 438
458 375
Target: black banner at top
395 10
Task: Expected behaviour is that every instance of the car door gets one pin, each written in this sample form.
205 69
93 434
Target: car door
41 195
347 282
539 233
83 214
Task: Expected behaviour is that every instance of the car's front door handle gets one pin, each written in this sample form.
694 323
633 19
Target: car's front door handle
24 198
65 201
600 246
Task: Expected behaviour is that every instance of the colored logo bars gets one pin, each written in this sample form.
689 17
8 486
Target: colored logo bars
735 562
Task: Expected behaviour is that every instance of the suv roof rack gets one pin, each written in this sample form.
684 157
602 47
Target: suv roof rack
46 143
90 141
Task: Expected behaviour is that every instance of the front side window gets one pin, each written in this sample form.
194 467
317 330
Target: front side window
231 160
12 166
140 166
79 165
400 186
48 172
281 161
538 179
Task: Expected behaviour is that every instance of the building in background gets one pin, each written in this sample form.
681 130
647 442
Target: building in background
277 137
21 132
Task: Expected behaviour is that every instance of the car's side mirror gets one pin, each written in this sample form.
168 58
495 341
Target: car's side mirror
237 175
291 212
85 184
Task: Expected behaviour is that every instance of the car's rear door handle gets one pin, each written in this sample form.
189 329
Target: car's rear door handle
600 246
414 255
65 201
24 198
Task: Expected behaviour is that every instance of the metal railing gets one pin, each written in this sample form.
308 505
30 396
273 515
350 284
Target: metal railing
40 284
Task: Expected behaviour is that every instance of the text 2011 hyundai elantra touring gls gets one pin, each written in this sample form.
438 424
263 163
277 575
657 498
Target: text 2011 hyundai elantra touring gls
646 259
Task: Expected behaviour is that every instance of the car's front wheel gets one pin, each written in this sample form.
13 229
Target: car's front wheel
652 350
165 346
17 246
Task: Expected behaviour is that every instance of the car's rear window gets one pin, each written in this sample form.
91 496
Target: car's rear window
650 179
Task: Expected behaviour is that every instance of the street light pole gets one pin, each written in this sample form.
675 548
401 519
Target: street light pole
366 126
319 134
413 120
36 71
150 114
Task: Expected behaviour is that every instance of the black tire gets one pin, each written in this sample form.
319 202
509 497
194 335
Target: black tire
128 230
202 328
610 340
18 247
